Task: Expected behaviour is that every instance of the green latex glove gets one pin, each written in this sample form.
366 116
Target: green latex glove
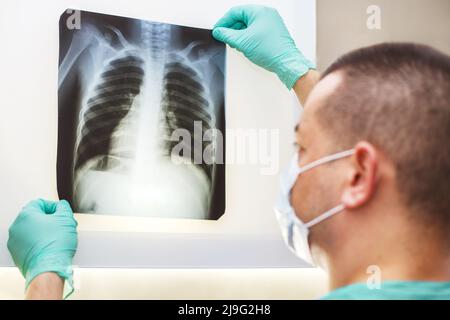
260 34
43 238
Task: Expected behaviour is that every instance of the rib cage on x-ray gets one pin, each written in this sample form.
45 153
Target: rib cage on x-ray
112 98
139 96
185 104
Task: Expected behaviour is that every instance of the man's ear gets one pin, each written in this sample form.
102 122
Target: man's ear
361 183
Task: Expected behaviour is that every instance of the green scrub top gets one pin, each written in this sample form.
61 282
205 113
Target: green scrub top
393 290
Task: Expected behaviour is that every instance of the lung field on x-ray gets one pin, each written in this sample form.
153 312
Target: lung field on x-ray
125 87
112 99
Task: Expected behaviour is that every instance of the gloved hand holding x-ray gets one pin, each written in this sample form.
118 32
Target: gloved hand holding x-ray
141 118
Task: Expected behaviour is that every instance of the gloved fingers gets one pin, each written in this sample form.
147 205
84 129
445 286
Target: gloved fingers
229 36
40 206
63 208
238 26
64 211
48 207
244 14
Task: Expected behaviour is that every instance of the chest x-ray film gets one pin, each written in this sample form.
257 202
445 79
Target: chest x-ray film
140 118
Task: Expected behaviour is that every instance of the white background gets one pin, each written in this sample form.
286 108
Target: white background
247 235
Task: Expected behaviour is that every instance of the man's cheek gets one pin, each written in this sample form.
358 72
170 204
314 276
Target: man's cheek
300 200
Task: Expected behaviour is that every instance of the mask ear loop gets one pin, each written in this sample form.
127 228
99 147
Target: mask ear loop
326 159
324 216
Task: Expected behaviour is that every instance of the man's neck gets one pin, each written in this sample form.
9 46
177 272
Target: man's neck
425 262
390 273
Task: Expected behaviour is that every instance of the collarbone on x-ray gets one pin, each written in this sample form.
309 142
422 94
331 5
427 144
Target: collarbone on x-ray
133 96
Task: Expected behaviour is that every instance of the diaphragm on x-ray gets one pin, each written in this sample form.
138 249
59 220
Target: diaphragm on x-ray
141 118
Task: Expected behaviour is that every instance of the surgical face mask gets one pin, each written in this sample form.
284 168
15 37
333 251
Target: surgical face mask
295 232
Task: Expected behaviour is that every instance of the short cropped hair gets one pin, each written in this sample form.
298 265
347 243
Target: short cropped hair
397 97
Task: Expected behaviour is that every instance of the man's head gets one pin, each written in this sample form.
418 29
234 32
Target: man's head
391 103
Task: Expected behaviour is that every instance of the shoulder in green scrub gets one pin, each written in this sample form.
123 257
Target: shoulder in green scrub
393 290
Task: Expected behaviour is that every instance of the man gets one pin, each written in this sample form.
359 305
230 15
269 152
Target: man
367 190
